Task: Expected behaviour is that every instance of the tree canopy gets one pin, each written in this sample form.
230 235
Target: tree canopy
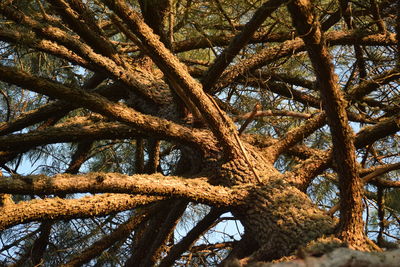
186 132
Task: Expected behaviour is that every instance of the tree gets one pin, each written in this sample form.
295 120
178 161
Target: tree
136 112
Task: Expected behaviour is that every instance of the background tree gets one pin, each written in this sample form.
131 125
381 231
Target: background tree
131 129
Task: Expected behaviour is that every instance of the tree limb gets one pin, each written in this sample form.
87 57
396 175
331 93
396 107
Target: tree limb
93 102
183 83
85 207
351 191
198 190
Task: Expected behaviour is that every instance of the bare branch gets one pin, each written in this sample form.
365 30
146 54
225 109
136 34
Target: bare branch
135 79
56 208
198 189
183 83
351 221
93 102
83 129
31 40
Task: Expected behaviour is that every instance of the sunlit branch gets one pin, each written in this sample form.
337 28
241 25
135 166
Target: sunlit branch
351 222
95 103
82 128
290 47
31 40
85 207
334 37
371 176
271 113
374 83
137 80
369 134
198 190
184 85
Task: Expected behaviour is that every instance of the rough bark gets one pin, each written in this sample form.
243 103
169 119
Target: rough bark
239 171
344 257
193 189
56 208
351 221
185 86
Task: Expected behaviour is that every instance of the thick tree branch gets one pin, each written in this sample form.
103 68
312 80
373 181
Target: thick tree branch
258 60
85 207
333 37
270 113
351 221
198 190
369 86
183 83
84 129
372 169
371 176
30 39
369 134
136 79
94 102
